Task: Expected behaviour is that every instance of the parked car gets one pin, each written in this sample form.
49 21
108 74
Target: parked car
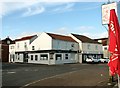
92 60
104 60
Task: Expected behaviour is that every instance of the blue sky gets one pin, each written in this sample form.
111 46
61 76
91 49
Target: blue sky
26 18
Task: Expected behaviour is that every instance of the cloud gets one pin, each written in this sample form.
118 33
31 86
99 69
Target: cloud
85 28
58 0
63 8
10 7
62 30
33 11
95 35
34 7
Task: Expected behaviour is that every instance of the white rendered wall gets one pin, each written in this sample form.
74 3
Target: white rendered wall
43 42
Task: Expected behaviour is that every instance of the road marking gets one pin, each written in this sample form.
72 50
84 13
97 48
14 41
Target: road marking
11 72
50 78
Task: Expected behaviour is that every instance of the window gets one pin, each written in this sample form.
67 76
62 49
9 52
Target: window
33 47
18 57
36 57
44 57
51 56
58 45
31 57
105 48
72 45
58 57
12 47
25 45
18 45
88 46
96 47
66 56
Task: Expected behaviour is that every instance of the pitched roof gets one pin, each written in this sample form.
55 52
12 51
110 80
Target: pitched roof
61 37
85 39
104 41
25 38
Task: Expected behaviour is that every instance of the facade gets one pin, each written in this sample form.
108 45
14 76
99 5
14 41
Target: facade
18 49
88 47
104 42
4 48
46 48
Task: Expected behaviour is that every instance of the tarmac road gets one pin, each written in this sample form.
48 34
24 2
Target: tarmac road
55 75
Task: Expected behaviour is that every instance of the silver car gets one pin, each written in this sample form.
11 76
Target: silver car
104 60
92 60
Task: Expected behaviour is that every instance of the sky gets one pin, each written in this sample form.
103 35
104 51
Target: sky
28 17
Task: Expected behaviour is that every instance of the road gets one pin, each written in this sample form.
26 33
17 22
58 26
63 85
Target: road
14 74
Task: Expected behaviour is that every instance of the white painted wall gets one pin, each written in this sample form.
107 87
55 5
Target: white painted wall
77 40
20 45
42 42
91 48
64 45
11 52
106 53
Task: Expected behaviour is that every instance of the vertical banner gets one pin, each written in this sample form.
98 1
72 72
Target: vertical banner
106 11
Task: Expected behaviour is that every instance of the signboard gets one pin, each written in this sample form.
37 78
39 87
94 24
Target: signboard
106 11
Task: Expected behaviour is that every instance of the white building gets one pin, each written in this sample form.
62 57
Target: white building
19 48
87 47
47 48
104 42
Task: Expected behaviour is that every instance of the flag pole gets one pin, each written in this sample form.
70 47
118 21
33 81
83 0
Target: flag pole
118 81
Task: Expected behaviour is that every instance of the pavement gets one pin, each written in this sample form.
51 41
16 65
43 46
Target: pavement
72 75
75 79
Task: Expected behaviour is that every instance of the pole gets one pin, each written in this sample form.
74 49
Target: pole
118 81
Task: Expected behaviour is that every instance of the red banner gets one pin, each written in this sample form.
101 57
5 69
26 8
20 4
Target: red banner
114 43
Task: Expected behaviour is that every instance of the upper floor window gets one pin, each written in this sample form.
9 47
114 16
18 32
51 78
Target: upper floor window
18 45
96 47
88 46
25 45
72 45
33 47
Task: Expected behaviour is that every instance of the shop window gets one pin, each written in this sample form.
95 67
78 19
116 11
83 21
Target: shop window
58 57
18 56
31 57
44 57
36 57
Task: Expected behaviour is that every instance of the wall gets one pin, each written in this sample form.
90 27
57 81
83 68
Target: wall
43 42
5 52
21 45
64 45
93 48
11 52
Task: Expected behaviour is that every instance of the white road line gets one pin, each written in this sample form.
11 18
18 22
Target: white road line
11 72
50 78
